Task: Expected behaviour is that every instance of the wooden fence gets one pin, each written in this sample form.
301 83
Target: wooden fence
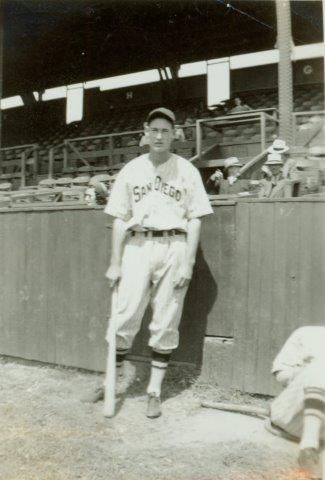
259 275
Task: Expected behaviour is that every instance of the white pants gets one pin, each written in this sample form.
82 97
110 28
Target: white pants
149 267
288 408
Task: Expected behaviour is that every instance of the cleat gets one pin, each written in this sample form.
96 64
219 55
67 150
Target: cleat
308 459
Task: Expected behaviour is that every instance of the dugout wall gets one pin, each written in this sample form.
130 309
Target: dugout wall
260 274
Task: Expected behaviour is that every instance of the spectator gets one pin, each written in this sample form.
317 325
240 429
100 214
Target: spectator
132 142
289 170
144 140
179 134
274 185
239 107
189 130
299 411
230 185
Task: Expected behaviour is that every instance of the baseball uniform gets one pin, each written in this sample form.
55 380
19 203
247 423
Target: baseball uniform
156 202
302 360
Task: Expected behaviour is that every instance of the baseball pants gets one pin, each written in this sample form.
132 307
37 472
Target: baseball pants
288 408
149 267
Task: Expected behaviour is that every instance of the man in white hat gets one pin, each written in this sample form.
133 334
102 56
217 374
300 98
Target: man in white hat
230 185
280 147
274 185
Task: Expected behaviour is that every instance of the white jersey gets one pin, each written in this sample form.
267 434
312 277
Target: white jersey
304 344
162 197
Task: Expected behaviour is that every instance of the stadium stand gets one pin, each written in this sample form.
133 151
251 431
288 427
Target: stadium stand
103 142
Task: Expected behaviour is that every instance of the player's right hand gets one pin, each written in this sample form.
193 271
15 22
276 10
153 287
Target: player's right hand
113 275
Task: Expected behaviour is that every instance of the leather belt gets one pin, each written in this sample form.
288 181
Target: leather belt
158 233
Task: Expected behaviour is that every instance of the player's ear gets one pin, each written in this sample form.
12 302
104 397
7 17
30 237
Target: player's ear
146 128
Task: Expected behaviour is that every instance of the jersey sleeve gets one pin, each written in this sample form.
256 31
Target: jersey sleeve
198 200
119 202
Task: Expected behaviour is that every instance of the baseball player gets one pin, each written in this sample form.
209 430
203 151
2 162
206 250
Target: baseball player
158 200
300 409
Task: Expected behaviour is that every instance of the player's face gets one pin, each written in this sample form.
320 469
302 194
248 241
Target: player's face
161 134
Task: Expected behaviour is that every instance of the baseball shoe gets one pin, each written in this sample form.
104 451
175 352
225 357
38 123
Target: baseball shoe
308 459
154 406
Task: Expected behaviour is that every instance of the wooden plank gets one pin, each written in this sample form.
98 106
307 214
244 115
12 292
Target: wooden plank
318 265
240 311
264 272
38 340
13 286
217 271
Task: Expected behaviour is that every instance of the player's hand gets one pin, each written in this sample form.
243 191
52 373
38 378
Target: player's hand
113 274
183 276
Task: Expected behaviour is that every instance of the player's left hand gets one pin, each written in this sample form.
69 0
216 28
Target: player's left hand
183 276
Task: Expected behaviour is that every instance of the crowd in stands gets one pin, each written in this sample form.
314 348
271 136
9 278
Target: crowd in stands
126 146
279 176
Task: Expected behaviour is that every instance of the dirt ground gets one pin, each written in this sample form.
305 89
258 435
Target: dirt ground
49 433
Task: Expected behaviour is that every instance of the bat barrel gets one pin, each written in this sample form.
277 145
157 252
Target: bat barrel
232 407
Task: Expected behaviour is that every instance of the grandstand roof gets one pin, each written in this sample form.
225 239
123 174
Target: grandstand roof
49 43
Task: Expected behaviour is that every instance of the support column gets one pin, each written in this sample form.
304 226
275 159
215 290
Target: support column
285 84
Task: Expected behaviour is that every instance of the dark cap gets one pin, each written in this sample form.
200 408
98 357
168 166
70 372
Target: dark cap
161 113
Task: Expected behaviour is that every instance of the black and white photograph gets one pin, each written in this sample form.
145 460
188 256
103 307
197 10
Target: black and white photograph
162 240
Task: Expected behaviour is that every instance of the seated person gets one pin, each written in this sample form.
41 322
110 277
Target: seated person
274 185
230 185
238 106
300 409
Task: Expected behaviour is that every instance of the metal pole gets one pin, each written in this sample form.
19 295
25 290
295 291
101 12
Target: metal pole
198 139
65 155
111 151
51 162
294 128
263 132
285 86
35 155
23 170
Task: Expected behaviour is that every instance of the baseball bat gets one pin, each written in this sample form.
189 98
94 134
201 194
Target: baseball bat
232 407
110 379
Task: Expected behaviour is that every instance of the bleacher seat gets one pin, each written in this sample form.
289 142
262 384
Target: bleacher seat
47 183
5 187
81 180
64 182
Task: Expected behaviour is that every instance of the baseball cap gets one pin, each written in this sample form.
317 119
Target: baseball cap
161 113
